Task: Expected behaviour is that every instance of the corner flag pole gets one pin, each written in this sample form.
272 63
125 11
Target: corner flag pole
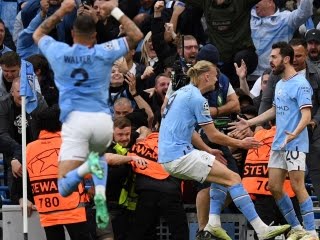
24 168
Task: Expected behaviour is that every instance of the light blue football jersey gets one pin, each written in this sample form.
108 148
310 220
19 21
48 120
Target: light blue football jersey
186 108
82 74
291 96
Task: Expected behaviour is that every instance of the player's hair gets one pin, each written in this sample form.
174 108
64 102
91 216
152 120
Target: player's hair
198 69
10 59
121 122
285 50
84 25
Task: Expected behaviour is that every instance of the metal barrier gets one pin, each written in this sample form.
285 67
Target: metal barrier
13 224
234 224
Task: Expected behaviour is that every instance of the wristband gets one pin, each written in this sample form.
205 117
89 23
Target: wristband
117 13
135 95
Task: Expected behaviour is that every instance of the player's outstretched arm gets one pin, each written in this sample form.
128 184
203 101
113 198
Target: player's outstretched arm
243 124
45 28
216 136
132 32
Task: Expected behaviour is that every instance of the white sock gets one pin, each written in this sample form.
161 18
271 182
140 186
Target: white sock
298 227
100 189
214 220
258 225
83 169
313 233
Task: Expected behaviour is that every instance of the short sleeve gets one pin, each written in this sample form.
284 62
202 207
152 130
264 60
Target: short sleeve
114 49
48 47
230 90
304 95
201 111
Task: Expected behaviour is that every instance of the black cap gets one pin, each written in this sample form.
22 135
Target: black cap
313 35
209 53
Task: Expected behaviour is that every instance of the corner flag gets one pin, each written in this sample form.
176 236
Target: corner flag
28 86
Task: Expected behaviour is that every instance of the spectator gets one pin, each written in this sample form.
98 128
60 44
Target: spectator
157 94
122 106
10 68
18 25
10 124
137 69
45 77
269 25
118 87
151 62
3 48
138 117
25 44
12 150
227 28
125 86
120 177
61 31
107 26
242 74
313 46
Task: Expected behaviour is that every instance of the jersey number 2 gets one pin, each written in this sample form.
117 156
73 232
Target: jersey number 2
83 73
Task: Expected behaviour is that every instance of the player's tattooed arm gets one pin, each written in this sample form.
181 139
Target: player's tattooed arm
45 28
132 32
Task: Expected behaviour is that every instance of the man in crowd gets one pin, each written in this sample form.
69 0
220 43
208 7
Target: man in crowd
227 28
313 45
270 25
3 48
9 70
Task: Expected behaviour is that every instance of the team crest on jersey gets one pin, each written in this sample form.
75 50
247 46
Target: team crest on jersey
111 45
205 109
